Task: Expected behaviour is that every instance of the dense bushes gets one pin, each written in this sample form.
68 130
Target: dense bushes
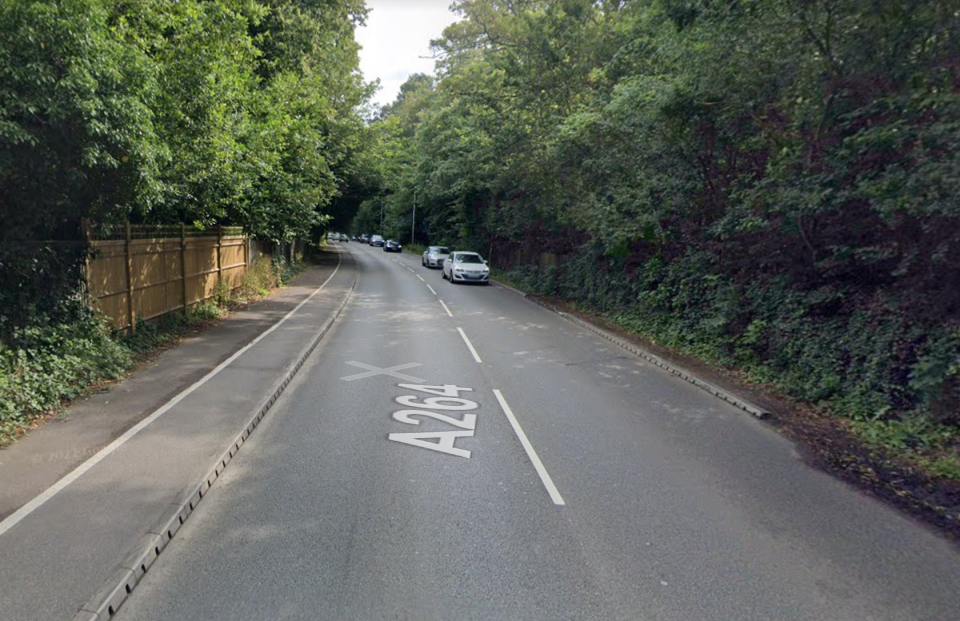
49 364
864 364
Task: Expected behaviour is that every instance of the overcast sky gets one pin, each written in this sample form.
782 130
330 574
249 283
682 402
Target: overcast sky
396 41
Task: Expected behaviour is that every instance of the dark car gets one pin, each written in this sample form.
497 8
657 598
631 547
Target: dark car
376 240
392 246
365 238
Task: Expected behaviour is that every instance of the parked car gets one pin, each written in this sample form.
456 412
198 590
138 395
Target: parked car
353 237
392 246
434 256
365 238
466 267
376 240
344 237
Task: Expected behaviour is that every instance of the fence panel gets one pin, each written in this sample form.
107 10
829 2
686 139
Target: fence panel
142 272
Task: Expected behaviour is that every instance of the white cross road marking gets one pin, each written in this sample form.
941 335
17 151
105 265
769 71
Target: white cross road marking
391 371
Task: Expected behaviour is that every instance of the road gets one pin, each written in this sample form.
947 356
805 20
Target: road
616 491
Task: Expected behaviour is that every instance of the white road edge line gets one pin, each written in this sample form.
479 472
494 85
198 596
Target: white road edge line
473 351
38 501
431 289
531 453
451 314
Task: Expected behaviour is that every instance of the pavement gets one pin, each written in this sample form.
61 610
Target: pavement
79 494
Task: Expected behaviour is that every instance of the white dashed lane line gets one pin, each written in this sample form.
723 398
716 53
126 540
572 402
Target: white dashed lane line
473 351
431 290
448 312
531 453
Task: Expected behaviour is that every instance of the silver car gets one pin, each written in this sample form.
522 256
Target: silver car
434 256
466 267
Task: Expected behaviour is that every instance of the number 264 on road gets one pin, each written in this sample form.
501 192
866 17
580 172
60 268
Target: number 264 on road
447 399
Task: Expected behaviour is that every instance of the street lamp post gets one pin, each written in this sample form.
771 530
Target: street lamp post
413 225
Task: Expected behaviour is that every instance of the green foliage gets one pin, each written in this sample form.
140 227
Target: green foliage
53 363
286 271
258 280
153 335
946 466
204 311
414 249
77 138
222 293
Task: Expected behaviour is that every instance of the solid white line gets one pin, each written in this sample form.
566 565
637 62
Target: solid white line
431 290
467 341
420 277
532 454
449 313
38 501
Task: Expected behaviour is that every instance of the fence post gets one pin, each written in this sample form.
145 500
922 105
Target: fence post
87 247
219 260
131 317
183 267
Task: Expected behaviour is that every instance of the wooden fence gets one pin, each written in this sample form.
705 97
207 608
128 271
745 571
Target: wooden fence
139 272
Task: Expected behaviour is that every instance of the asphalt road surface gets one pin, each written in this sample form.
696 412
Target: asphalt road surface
558 478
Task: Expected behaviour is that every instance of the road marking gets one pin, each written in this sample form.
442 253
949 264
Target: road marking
421 278
391 371
38 501
411 270
448 311
473 351
445 441
431 289
531 453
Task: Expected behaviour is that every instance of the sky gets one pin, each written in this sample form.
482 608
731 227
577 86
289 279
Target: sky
396 41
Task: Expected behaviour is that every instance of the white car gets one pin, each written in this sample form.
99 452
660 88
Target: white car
434 256
466 267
